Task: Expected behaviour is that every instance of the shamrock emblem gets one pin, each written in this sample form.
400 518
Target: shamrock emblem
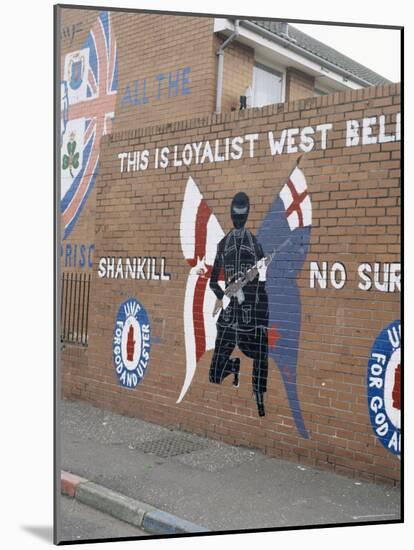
71 160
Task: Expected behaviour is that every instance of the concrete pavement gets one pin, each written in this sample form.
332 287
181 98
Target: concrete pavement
80 522
127 509
208 483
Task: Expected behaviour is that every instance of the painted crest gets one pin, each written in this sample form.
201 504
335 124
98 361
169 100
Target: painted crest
76 71
131 343
384 387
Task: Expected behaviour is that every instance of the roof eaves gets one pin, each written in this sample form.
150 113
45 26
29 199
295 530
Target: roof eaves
291 42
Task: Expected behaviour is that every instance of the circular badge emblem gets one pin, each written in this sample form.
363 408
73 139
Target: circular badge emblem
131 343
384 383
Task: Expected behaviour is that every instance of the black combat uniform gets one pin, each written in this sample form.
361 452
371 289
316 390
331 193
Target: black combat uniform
244 322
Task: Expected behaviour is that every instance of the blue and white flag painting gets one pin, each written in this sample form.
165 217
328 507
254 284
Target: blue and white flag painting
287 226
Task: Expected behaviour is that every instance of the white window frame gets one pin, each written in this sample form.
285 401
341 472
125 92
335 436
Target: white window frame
277 70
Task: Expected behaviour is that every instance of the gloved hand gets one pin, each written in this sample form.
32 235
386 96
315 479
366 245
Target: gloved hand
262 268
226 301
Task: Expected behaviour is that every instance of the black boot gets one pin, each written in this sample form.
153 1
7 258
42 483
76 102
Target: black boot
260 403
232 367
236 371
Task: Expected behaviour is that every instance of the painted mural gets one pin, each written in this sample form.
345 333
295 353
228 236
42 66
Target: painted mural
89 88
88 95
243 319
242 289
168 85
131 343
384 387
213 313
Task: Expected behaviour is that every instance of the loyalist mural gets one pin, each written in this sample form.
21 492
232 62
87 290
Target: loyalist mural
242 289
131 343
245 267
88 95
384 387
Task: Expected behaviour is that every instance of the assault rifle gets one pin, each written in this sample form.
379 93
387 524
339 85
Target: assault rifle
240 280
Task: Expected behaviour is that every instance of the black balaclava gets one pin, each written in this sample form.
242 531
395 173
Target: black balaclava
240 206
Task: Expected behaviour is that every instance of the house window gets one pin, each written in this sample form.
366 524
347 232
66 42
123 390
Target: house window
267 86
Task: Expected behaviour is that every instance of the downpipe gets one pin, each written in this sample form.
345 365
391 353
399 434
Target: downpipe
220 65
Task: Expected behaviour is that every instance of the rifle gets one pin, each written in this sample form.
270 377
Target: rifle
240 280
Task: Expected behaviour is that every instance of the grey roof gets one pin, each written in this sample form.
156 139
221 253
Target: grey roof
323 51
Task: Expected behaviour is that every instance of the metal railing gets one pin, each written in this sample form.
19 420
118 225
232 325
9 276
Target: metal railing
74 308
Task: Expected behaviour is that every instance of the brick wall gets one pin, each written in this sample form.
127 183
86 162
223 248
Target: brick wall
173 55
299 85
166 70
355 195
74 29
74 383
355 200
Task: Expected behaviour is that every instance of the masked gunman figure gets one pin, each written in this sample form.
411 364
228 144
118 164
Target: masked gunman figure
243 319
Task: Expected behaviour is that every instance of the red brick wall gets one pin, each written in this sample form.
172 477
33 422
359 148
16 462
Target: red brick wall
153 45
153 51
356 216
166 72
355 194
74 378
74 28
